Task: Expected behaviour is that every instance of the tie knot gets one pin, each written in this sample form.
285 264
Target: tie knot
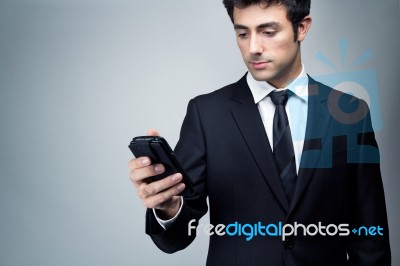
279 97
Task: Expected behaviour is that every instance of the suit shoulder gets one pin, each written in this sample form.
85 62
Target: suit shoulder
346 109
218 95
238 90
325 91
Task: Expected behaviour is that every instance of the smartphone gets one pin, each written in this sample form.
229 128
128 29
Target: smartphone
158 150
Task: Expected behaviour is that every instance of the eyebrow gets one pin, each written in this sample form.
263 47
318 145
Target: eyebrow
261 26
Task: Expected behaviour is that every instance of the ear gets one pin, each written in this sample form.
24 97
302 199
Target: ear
304 26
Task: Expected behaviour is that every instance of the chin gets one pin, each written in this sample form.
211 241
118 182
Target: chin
260 76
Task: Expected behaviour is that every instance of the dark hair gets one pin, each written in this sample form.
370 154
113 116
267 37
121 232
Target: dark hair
297 10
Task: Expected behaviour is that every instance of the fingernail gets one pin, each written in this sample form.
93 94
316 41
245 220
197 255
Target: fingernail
181 187
145 161
176 177
159 168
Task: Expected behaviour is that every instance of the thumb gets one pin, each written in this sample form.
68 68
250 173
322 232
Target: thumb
153 132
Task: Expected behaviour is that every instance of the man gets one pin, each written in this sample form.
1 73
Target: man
274 147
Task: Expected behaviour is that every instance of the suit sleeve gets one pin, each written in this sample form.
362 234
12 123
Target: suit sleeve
369 208
191 153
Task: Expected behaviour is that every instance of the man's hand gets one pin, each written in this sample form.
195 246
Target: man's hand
161 194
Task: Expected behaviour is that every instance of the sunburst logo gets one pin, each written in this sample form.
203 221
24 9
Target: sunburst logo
343 45
351 78
361 83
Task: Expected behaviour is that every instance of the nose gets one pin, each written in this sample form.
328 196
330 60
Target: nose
256 46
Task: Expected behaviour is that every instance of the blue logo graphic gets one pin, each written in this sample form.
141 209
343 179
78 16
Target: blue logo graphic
359 83
349 115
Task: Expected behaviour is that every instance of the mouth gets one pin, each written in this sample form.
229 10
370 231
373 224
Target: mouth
259 64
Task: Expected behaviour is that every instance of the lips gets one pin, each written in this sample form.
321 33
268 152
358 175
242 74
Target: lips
259 64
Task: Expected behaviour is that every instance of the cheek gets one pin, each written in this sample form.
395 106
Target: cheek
243 49
282 48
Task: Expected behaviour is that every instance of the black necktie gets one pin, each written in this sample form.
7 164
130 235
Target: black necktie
283 144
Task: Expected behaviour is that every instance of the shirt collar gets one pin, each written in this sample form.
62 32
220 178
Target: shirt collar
260 89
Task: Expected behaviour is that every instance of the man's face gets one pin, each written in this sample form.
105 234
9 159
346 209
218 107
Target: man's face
266 40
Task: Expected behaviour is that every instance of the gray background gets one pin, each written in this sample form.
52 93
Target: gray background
79 79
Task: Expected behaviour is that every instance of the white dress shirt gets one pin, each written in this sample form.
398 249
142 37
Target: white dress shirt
296 109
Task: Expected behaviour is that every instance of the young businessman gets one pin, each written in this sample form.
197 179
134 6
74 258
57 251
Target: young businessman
276 146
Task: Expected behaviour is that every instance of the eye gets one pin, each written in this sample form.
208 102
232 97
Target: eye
269 33
242 35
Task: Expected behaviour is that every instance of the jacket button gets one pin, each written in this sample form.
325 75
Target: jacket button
288 243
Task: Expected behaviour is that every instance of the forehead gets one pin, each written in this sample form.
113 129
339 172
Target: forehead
256 14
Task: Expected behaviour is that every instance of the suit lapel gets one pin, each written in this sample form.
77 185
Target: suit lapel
248 119
318 121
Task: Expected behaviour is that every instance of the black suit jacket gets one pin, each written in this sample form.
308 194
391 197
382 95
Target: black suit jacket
225 150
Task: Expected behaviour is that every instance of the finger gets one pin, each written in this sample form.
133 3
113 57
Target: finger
139 162
163 184
139 174
159 199
153 132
